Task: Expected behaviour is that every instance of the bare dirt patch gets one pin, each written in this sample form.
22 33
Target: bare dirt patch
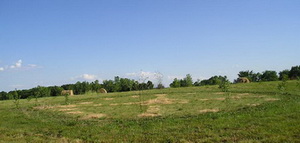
86 103
75 112
93 116
209 110
108 99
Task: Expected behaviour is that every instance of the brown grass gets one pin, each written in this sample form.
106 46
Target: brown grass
97 104
108 99
253 105
235 97
205 99
93 116
209 110
86 103
152 111
243 94
113 104
219 93
271 99
75 112
191 93
67 109
66 106
135 96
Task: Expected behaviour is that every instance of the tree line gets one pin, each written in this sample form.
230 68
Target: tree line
116 85
268 75
125 84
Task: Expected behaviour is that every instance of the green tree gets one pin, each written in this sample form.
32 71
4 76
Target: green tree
284 74
187 81
3 95
109 85
294 72
150 85
175 83
269 76
252 76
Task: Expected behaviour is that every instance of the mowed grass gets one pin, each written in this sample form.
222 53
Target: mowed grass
254 112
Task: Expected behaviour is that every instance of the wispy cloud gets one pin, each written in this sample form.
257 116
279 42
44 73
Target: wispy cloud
88 77
171 77
18 64
143 76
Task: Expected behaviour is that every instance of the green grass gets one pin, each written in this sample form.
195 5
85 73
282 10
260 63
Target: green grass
254 112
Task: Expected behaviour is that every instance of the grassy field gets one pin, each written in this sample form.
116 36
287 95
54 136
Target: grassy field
253 112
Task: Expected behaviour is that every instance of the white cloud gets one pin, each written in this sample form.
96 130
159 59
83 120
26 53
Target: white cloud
1 69
171 77
144 76
32 65
18 64
89 77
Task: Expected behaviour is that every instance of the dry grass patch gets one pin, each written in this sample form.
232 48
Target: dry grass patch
152 111
209 110
74 112
93 116
253 105
135 96
158 100
130 103
108 99
86 103
113 104
243 94
191 93
43 107
219 93
160 95
205 99
68 109
272 99
66 106
235 97
97 105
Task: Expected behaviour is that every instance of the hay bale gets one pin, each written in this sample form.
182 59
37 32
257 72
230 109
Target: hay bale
102 90
69 92
243 80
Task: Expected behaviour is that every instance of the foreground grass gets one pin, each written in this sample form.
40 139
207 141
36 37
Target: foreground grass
250 113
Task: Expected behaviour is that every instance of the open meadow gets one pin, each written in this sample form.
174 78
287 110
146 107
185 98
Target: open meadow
253 112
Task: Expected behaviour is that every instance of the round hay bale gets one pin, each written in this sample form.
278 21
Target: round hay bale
243 80
102 90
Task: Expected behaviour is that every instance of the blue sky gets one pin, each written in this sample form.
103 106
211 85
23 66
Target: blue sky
56 42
